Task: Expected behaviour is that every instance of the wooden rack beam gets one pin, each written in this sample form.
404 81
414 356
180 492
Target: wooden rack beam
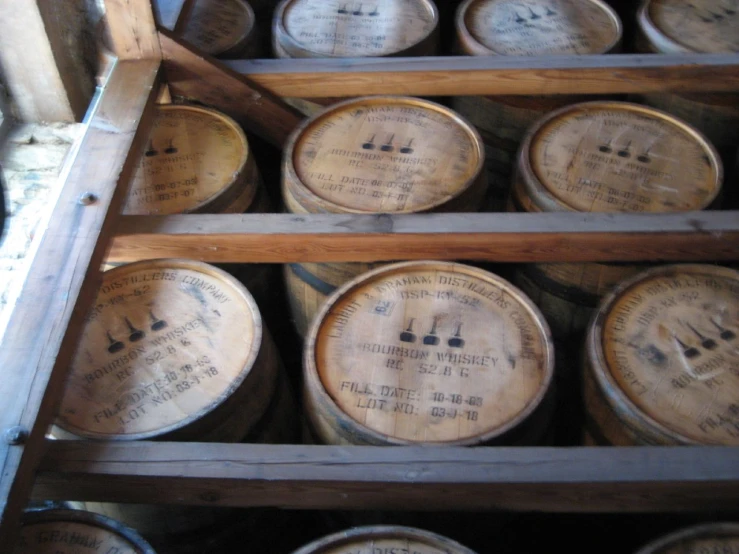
467 75
594 479
43 330
504 237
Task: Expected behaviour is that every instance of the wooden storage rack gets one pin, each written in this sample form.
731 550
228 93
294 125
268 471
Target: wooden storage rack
61 283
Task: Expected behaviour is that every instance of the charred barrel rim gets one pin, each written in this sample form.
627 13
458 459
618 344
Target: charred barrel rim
539 192
311 369
91 519
357 534
696 532
228 187
247 362
618 401
327 206
461 26
287 41
239 40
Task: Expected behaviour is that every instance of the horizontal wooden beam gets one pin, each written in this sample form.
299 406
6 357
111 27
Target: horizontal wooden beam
504 237
595 479
490 75
43 330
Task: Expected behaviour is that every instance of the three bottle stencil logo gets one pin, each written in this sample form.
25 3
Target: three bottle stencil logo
134 334
433 335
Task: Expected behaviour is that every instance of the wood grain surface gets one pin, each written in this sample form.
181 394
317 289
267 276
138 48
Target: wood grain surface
596 479
505 237
494 75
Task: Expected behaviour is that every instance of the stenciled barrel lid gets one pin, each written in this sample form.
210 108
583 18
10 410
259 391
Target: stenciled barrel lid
337 28
216 26
618 157
536 27
61 531
664 352
675 26
385 154
193 160
430 352
165 342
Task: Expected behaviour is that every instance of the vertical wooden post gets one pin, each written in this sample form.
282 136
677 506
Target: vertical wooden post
46 58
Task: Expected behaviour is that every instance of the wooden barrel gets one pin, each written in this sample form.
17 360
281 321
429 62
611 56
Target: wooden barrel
221 28
661 359
384 539
514 28
173 350
719 538
77 532
428 353
340 29
678 27
197 161
605 157
383 154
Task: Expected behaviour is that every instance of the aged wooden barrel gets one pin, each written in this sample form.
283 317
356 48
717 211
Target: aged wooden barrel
77 532
197 161
661 359
708 538
428 353
222 28
383 154
514 28
340 29
384 539
678 27
605 157
173 350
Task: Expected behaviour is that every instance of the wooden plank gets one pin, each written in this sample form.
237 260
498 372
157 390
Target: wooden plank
197 75
504 237
41 335
133 33
466 75
42 54
596 479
